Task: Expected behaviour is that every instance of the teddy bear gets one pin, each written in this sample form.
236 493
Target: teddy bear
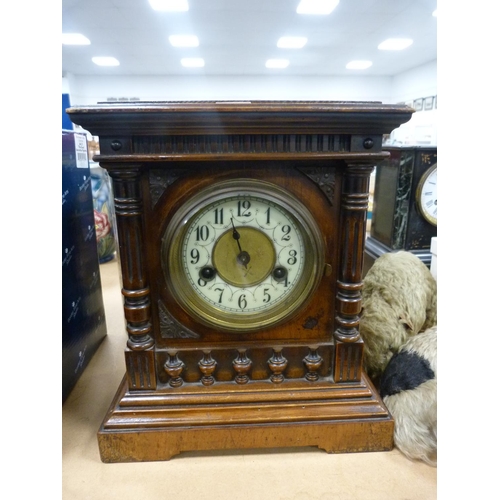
398 325
399 300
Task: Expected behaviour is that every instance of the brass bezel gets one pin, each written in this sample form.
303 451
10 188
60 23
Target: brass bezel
429 218
193 304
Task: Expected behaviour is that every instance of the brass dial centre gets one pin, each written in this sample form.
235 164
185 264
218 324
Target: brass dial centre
248 263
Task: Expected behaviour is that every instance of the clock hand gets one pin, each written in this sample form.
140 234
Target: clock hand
236 235
243 257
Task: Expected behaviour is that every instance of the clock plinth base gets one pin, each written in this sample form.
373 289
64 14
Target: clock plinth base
156 425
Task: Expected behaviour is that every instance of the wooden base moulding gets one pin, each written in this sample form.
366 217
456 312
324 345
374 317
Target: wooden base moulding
156 425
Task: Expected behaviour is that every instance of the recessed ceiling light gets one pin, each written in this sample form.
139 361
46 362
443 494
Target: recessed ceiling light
395 44
105 61
292 42
317 7
193 62
74 39
184 40
358 64
169 5
277 63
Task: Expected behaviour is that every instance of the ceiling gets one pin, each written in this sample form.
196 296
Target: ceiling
238 36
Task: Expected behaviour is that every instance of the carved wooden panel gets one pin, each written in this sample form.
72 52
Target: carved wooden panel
141 373
239 143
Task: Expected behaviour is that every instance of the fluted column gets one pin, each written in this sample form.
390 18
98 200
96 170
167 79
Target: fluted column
139 356
354 206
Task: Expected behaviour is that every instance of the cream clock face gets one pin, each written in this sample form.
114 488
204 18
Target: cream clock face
427 195
242 255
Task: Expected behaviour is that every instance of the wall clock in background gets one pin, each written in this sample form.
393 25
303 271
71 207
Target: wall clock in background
241 230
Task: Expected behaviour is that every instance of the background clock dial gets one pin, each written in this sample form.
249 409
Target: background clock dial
427 195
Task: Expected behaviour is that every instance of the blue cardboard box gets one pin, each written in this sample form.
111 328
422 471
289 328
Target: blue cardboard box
83 318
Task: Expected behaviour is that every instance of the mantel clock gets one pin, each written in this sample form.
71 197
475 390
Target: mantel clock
241 229
404 204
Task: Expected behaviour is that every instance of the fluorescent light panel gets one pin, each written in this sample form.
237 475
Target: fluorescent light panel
358 64
277 63
184 40
169 5
74 39
106 61
317 7
193 62
292 42
395 44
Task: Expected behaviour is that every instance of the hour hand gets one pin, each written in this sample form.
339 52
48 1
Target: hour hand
243 257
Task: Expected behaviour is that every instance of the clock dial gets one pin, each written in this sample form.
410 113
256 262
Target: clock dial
427 195
242 255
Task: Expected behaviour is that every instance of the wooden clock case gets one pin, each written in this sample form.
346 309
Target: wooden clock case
397 223
188 386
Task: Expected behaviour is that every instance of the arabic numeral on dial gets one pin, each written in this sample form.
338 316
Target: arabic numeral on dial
286 232
293 257
267 297
243 208
202 233
284 281
268 216
219 216
242 301
221 290
195 256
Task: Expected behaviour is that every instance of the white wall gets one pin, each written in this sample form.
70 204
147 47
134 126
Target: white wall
417 83
90 90
65 86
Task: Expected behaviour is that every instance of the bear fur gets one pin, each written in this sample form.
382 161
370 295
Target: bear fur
408 387
399 300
